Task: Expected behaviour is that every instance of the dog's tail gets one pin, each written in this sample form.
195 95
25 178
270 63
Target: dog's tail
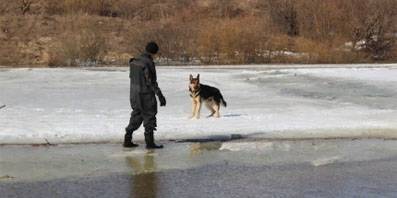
223 100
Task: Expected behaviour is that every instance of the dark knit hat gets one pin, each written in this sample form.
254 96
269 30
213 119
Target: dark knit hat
152 47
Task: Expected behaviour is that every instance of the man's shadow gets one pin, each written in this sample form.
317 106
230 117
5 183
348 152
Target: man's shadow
144 179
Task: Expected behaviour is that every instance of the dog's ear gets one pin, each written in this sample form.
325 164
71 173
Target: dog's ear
198 76
191 77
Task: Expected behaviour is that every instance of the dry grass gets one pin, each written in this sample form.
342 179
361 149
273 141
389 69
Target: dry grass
92 32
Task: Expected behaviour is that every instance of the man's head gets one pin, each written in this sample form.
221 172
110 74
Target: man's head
152 48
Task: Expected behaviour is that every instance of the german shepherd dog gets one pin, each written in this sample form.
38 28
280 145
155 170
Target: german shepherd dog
204 93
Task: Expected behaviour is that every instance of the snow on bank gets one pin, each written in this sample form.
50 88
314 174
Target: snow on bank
91 105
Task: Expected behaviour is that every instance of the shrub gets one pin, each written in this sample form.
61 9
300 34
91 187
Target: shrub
83 49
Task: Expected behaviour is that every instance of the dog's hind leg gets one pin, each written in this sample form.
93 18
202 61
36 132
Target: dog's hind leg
209 107
216 108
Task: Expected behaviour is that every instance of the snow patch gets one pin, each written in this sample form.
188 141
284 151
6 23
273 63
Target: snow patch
246 146
325 161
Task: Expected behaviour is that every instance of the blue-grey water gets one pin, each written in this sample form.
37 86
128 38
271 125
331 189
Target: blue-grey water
308 168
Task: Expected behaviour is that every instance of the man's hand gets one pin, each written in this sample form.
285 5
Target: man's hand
162 100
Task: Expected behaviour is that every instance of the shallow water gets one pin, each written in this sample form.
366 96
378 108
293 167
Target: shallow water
311 168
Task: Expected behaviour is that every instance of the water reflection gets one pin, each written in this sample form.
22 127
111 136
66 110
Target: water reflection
199 148
144 179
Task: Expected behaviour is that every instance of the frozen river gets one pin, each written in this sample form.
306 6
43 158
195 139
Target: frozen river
62 105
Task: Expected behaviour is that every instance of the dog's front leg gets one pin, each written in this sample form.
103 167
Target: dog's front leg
198 109
194 106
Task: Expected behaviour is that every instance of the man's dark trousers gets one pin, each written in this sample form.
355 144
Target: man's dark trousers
145 111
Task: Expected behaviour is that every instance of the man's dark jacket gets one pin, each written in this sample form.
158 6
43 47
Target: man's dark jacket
143 83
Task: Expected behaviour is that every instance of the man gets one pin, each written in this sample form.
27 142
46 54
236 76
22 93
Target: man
143 88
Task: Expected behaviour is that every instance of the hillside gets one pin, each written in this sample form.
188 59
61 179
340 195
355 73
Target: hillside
109 32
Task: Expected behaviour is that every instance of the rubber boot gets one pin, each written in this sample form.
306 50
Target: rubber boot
149 139
128 141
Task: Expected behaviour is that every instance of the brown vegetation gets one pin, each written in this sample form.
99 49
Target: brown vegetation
108 32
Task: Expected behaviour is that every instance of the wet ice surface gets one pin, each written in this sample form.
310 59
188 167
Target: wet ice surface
311 168
91 104
345 89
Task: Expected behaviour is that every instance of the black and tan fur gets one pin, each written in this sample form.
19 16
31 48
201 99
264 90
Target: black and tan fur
200 93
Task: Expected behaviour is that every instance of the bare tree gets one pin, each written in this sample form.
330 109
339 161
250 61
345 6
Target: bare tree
284 13
25 6
376 32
